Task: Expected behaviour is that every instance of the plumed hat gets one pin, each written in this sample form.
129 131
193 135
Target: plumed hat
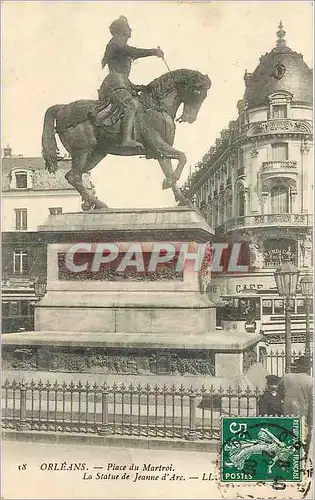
119 26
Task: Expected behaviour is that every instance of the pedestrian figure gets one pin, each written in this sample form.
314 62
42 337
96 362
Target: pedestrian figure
298 395
270 402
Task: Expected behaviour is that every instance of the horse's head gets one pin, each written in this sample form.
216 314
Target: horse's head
193 89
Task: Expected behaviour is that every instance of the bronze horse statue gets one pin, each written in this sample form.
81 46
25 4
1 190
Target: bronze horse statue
88 143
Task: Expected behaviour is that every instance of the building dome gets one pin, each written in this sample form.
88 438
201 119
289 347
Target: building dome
282 69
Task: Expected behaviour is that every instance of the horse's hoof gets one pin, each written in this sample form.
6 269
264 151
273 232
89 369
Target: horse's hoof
185 202
100 205
85 206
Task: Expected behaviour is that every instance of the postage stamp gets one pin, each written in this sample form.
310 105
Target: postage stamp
264 449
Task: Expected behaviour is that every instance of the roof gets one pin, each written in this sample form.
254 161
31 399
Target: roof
282 69
41 179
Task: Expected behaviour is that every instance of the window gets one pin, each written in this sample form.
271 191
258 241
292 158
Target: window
240 201
228 205
20 219
278 306
241 158
14 308
279 111
280 151
267 307
21 180
20 264
280 200
300 307
215 216
5 309
55 210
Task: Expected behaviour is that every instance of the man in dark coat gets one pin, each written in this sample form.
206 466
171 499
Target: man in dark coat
298 395
270 402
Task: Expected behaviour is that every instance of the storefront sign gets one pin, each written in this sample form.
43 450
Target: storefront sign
248 288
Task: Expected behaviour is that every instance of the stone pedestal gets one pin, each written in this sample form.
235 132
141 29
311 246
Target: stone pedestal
106 318
104 299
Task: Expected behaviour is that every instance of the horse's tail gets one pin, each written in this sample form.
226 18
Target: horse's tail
49 144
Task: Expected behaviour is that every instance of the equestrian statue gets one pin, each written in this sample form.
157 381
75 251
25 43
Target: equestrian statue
126 120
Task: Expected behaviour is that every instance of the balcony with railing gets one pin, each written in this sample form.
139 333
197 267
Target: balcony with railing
248 221
279 167
278 126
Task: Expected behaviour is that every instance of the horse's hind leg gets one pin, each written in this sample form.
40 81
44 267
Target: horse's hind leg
82 162
182 200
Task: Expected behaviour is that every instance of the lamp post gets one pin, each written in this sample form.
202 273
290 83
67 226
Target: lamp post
306 284
40 288
287 278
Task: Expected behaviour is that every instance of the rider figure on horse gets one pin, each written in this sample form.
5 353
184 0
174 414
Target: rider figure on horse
117 87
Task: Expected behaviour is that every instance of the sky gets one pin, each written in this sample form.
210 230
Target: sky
51 53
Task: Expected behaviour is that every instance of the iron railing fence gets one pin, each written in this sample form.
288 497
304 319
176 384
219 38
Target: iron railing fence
274 361
160 412
133 410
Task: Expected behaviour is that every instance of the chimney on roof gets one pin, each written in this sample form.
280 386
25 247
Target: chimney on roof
7 151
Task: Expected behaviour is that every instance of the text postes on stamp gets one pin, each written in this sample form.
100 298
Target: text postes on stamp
267 449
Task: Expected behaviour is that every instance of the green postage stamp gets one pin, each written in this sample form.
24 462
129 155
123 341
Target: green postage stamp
267 449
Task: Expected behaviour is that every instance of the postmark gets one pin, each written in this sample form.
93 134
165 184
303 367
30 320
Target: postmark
267 449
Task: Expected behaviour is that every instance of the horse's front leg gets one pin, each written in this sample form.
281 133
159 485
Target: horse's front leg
182 160
175 176
166 165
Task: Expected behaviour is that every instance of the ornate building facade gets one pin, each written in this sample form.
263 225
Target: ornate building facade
29 195
256 186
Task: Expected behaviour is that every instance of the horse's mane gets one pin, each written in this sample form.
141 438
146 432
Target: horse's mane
166 81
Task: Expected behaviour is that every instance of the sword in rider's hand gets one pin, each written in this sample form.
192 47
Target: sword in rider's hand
165 61
170 72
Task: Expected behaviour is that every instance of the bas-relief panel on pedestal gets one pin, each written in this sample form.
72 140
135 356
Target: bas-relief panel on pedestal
111 361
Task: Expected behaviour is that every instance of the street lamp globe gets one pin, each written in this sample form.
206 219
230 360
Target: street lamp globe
306 285
287 278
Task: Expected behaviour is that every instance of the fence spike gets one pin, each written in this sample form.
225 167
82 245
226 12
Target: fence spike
248 390
182 389
131 387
